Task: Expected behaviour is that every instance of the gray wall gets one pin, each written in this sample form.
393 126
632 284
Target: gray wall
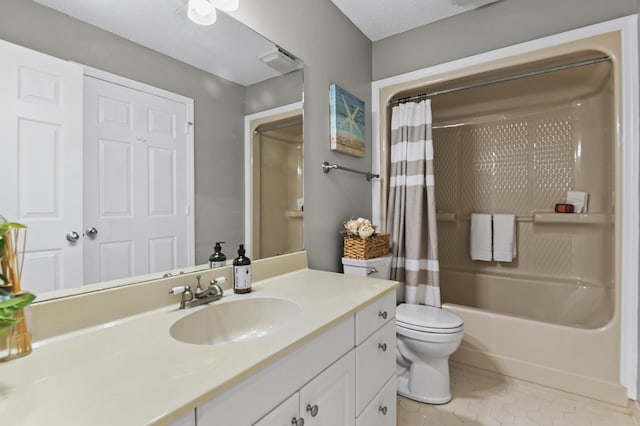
334 51
498 25
219 107
275 92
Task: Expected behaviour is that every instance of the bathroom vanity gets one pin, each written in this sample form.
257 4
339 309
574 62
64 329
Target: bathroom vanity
307 345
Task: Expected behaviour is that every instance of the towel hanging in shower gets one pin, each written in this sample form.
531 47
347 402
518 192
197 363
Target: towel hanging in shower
480 237
504 237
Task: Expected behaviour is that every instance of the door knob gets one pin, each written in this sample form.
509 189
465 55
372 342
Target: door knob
91 232
297 421
73 236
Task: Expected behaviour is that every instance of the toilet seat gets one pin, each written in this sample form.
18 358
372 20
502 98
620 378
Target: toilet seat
428 319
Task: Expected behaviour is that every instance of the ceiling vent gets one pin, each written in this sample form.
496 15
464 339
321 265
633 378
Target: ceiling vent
280 60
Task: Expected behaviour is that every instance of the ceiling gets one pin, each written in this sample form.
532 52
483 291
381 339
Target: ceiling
383 18
227 48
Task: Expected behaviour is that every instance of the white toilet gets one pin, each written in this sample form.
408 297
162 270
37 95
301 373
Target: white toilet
425 339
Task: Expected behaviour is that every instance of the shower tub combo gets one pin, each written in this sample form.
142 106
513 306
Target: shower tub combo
517 145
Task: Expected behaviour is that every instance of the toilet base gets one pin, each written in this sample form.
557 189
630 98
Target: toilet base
403 389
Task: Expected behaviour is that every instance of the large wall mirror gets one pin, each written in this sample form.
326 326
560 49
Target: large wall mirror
188 135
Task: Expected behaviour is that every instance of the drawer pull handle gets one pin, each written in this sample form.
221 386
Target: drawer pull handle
383 410
312 410
298 422
382 347
383 315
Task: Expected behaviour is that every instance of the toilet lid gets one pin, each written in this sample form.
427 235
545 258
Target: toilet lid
427 317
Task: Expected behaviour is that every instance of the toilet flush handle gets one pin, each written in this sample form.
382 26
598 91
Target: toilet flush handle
372 271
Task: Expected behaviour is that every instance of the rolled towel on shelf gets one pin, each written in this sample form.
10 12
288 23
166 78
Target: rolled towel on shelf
504 237
480 237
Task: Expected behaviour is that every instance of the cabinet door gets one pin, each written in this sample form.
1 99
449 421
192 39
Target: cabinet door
285 414
329 399
375 363
381 411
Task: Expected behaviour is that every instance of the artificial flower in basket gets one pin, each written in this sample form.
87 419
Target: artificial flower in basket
359 227
362 241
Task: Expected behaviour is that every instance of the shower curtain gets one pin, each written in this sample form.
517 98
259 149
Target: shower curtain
411 209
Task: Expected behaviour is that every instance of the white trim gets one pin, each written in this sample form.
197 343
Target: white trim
630 154
188 103
248 166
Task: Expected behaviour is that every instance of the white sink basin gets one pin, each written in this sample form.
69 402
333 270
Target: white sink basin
236 321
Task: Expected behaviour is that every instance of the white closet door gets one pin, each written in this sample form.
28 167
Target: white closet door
41 152
135 182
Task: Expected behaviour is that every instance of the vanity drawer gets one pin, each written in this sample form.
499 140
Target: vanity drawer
381 411
375 316
375 363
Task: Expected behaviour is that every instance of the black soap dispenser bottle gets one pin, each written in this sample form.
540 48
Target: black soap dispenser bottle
241 272
218 258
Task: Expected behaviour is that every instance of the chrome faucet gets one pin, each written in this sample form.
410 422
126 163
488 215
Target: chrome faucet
201 296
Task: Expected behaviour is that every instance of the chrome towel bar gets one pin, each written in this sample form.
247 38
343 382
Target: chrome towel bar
326 167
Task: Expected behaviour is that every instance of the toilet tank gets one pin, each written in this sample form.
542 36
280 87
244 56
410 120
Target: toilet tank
378 267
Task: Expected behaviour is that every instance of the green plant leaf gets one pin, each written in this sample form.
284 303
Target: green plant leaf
10 306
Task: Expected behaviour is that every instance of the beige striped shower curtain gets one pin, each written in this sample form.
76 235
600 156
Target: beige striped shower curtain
411 210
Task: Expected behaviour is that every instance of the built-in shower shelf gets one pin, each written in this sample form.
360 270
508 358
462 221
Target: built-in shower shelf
545 217
572 218
446 217
294 214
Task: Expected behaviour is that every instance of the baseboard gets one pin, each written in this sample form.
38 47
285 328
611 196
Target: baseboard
612 393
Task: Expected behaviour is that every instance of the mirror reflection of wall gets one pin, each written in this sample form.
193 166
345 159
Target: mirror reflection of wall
220 103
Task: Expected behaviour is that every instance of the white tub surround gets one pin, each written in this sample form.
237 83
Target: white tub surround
131 371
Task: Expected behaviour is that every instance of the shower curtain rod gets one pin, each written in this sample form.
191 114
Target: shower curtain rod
500 80
278 127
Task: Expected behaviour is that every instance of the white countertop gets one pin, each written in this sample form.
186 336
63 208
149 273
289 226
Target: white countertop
132 372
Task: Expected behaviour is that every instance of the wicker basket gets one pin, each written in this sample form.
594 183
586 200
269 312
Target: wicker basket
366 248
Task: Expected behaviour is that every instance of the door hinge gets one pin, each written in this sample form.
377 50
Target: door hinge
187 127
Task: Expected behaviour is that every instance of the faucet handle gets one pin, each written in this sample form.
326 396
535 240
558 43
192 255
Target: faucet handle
219 280
185 290
178 289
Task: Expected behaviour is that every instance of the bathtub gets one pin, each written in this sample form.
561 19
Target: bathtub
553 315
554 334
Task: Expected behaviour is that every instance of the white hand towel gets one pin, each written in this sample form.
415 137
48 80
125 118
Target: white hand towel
504 237
480 237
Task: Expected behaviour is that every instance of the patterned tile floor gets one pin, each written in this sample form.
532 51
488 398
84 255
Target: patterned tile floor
482 398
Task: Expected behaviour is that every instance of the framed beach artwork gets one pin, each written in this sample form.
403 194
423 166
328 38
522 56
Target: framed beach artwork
347 122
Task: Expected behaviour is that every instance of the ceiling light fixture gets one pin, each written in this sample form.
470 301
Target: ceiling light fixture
203 12
226 5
